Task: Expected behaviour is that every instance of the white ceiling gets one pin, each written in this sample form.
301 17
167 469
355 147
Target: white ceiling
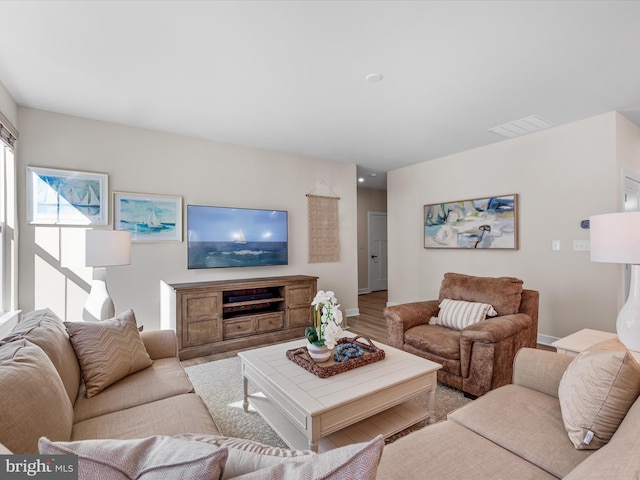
290 75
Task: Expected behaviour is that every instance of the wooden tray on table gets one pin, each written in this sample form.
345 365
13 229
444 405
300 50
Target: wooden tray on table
331 367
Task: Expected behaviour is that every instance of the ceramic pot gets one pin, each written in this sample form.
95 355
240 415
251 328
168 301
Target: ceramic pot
318 353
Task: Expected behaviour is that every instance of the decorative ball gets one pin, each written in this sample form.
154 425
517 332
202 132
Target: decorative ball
346 351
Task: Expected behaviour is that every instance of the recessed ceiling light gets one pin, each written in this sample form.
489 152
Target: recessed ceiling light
361 179
373 174
374 77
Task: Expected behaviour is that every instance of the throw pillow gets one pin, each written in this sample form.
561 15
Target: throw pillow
358 460
108 351
458 314
33 401
247 456
156 457
596 391
46 330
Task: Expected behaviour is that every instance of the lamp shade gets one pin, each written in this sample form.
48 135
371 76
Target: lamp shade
105 248
615 237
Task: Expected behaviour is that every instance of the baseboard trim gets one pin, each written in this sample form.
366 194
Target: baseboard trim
364 291
352 312
546 339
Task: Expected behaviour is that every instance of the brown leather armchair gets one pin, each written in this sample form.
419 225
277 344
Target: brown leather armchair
479 357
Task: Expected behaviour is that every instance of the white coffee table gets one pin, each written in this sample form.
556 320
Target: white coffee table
309 412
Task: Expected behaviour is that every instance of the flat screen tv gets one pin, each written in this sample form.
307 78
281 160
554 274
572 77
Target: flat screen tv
236 237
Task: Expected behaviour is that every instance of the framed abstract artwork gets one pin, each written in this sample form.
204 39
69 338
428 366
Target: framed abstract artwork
481 223
66 197
149 218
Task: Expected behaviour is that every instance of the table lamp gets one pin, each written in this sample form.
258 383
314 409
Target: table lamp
615 238
103 248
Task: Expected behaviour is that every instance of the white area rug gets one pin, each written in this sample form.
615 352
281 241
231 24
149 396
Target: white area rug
219 384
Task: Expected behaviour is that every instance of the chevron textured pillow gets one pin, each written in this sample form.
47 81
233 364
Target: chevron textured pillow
108 351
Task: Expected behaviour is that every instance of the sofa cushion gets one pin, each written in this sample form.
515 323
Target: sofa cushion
503 293
359 460
46 330
169 416
33 400
539 437
156 457
442 341
108 350
596 391
164 378
458 314
246 455
448 451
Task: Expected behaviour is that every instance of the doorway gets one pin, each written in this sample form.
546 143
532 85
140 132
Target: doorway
378 260
630 203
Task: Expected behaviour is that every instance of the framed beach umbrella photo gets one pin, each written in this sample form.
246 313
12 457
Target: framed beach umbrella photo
66 197
149 218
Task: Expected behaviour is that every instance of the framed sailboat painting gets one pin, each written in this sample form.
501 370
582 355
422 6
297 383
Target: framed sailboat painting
66 197
149 218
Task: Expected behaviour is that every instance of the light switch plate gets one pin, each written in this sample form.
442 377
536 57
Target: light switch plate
581 245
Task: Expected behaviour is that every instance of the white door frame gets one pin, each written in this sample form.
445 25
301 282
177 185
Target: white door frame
370 249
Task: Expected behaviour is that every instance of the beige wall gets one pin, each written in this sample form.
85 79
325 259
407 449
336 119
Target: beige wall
8 107
369 200
562 176
202 172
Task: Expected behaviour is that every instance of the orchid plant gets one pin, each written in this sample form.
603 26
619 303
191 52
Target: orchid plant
327 318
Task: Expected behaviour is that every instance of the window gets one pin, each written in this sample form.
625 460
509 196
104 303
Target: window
8 223
8 230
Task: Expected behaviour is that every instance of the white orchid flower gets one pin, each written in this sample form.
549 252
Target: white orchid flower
331 334
330 317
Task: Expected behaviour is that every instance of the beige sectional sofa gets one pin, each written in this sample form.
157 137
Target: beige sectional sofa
137 418
42 392
516 432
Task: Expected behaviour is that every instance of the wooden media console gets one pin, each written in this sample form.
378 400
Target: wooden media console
218 316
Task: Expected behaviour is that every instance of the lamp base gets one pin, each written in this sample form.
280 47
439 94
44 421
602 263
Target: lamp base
628 322
99 305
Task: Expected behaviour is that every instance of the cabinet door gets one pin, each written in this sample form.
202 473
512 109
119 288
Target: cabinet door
299 297
201 318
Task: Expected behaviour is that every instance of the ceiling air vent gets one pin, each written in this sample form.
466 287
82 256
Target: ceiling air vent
530 124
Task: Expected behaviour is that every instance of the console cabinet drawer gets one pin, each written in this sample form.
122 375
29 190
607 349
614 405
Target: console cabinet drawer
239 328
252 325
270 322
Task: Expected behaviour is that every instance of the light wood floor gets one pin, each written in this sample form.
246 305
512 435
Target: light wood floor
371 322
